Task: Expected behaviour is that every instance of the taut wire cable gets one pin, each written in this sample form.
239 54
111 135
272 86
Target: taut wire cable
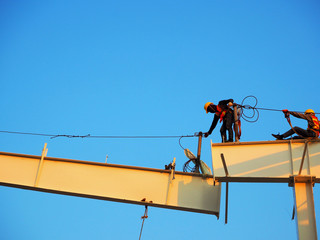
89 136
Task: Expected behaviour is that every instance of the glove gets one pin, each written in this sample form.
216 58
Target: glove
206 134
286 113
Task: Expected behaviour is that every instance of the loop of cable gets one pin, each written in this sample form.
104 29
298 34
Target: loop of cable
255 110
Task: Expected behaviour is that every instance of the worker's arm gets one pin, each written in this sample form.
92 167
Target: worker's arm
300 115
225 102
213 125
303 116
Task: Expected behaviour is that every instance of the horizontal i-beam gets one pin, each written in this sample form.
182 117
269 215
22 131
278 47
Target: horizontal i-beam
144 186
267 160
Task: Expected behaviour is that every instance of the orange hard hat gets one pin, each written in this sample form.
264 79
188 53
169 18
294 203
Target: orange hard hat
309 111
207 105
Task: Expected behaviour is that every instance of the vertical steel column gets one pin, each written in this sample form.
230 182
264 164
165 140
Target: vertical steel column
304 206
199 152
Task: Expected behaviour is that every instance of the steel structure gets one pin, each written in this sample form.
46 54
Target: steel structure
137 185
295 162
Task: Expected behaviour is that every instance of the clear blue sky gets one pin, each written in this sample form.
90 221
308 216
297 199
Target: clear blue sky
148 68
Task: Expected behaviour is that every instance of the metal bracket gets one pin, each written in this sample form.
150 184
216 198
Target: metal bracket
301 179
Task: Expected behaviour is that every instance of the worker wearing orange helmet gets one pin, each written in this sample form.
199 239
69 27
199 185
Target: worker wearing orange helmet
312 130
223 113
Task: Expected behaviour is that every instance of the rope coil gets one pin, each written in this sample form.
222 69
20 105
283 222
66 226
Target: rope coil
255 110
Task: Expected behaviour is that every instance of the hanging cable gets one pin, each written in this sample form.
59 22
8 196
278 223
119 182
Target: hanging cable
180 142
143 218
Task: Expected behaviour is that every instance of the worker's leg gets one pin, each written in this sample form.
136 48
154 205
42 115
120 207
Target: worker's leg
228 121
289 133
223 132
301 132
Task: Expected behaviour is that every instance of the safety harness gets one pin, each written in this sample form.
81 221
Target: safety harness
239 126
220 113
315 128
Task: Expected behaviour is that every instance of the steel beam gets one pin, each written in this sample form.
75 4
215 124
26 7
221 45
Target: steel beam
275 162
144 186
267 159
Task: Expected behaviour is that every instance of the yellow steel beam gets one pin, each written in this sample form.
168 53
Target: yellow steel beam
144 186
294 161
267 159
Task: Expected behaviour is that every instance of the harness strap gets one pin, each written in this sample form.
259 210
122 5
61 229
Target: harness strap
315 131
315 128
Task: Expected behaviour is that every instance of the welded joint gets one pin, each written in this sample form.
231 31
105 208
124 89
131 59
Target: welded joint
301 179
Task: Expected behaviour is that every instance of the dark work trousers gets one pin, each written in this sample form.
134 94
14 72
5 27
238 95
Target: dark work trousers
303 133
227 126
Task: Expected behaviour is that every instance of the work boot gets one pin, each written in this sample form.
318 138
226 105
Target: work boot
223 138
277 136
230 136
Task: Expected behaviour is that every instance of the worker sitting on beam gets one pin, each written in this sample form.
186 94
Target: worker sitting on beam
312 130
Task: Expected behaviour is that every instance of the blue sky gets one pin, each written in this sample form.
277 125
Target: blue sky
148 68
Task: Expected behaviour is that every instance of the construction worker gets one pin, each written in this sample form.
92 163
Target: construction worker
311 132
223 113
